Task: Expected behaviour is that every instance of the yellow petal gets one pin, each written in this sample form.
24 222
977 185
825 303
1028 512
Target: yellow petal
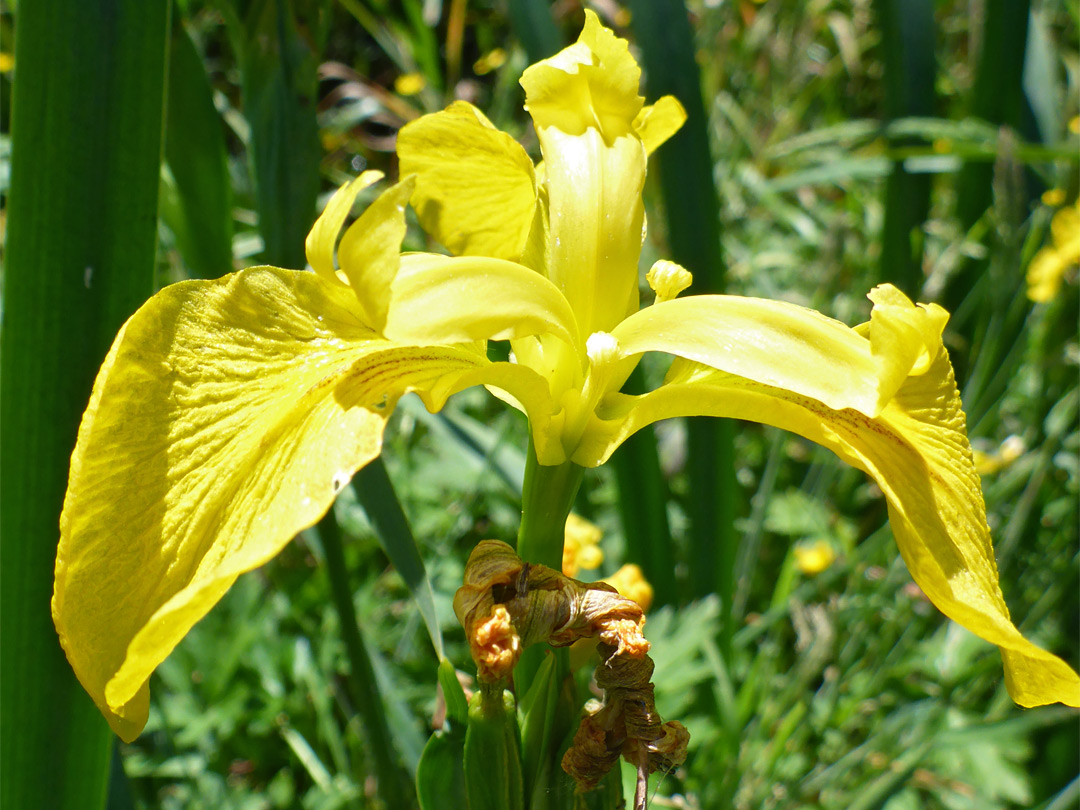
475 191
319 245
226 418
1065 231
442 299
915 448
595 222
779 344
1044 275
370 251
593 83
658 122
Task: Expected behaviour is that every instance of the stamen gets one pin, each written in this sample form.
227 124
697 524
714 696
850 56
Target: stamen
668 279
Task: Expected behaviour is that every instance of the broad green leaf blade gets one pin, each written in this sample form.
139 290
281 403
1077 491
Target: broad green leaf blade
201 214
279 86
908 45
535 27
81 233
538 718
376 495
643 494
997 98
457 706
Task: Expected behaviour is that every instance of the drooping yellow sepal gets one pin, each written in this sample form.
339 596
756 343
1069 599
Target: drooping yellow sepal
913 442
225 419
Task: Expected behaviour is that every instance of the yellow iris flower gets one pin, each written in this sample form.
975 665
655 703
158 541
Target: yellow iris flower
229 413
1050 265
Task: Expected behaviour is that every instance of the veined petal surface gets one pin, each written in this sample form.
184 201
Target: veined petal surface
916 450
225 419
475 190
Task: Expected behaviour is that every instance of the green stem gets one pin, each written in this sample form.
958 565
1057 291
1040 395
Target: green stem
365 690
546 498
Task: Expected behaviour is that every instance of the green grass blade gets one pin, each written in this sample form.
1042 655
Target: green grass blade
376 495
392 786
998 98
199 208
536 28
279 94
693 224
907 34
81 238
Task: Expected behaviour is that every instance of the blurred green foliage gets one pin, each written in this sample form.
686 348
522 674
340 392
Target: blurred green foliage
842 689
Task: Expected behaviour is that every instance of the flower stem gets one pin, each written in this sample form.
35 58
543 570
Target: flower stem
546 497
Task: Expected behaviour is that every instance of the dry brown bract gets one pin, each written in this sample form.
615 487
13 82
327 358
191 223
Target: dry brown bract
507 604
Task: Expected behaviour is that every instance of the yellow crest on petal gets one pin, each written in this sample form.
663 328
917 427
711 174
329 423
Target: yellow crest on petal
593 83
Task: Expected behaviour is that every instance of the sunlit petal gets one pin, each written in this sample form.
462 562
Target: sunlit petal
225 419
771 342
915 448
443 299
370 251
593 83
475 191
323 235
658 122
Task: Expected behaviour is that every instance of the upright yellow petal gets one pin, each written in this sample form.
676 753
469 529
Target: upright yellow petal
322 237
658 122
584 103
475 191
592 84
370 251
914 446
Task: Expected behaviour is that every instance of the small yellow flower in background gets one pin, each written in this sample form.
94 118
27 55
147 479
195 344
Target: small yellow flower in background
1053 197
581 546
814 557
7 62
1049 266
409 84
492 60
631 583
1074 125
943 146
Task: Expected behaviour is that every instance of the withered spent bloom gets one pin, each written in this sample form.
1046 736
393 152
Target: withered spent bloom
507 604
